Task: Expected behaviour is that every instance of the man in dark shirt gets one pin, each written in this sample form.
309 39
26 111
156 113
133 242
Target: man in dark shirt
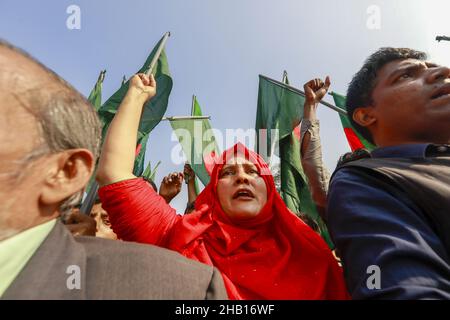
389 214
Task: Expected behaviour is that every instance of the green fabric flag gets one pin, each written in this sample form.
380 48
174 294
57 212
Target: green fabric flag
150 173
278 109
355 140
282 109
140 155
197 140
95 97
153 110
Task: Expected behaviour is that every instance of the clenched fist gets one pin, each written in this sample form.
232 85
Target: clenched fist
142 87
315 90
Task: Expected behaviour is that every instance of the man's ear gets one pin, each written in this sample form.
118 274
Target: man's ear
68 172
364 116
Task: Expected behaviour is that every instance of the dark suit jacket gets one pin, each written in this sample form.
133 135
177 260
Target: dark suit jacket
111 269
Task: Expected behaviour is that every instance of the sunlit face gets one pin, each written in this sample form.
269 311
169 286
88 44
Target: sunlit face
24 158
412 101
241 190
103 225
21 180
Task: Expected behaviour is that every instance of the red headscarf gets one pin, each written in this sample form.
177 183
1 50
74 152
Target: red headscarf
272 256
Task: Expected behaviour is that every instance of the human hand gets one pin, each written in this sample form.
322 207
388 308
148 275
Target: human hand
189 173
142 87
171 186
315 90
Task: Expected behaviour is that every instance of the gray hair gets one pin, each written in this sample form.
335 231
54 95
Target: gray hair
66 120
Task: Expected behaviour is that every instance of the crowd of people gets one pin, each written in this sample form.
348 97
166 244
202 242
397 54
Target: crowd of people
386 210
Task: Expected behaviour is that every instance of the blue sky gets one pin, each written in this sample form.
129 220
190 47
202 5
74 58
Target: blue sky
218 48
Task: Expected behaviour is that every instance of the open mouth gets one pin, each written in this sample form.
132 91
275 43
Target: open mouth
243 194
443 91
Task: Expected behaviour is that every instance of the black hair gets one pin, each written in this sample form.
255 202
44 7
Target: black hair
360 89
151 183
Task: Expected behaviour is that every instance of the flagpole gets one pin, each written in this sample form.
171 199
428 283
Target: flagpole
186 118
88 203
193 105
101 76
298 91
285 75
158 53
442 38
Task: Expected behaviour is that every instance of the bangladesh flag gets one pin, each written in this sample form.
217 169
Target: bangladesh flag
355 140
281 108
198 142
279 112
153 110
150 173
95 97
139 161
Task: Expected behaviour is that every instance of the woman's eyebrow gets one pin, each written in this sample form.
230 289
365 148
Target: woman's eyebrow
227 166
249 164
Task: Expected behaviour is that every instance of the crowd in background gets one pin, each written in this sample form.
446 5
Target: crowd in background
386 210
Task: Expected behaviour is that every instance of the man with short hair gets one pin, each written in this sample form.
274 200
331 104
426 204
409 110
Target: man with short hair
388 213
49 143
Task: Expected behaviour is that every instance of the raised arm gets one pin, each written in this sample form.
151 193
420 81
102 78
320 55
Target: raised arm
136 211
190 178
311 149
118 152
171 186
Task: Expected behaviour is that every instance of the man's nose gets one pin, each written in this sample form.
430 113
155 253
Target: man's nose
438 73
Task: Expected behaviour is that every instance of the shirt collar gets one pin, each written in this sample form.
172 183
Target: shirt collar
419 150
17 250
401 151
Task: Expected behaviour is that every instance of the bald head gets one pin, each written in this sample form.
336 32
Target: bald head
49 138
65 118
21 71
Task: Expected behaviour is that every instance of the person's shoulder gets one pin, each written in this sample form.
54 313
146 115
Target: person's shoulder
353 182
348 177
145 271
120 250
351 167
349 159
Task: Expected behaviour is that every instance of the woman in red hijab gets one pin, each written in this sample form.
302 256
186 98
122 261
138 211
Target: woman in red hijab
240 225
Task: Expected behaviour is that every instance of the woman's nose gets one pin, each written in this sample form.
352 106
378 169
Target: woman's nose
241 176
